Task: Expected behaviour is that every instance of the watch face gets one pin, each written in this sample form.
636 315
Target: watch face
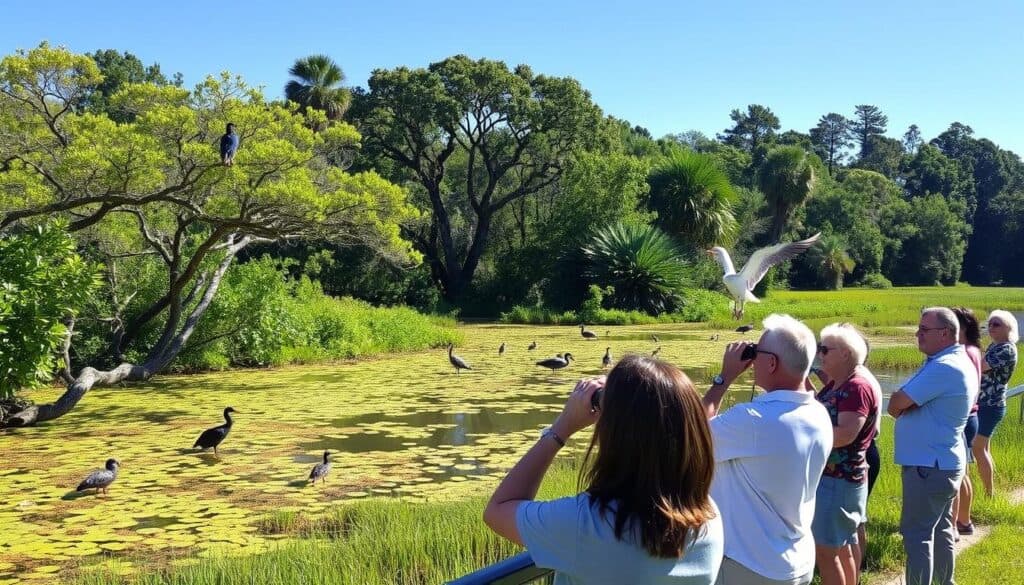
718 380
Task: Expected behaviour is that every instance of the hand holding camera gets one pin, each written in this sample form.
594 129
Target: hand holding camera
739 355
582 408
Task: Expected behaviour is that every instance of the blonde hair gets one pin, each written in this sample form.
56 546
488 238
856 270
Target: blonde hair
791 341
1007 319
851 339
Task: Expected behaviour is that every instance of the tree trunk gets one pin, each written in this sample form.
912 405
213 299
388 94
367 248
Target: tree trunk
159 358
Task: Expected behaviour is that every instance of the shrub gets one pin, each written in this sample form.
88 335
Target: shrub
876 280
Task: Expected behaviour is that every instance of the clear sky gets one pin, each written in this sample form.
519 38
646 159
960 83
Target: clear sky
669 66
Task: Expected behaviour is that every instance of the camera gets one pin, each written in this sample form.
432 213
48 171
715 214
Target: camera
595 399
749 352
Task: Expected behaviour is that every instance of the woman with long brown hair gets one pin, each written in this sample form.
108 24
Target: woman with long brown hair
646 514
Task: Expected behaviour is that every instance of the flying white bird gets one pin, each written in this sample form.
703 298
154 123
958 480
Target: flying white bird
741 284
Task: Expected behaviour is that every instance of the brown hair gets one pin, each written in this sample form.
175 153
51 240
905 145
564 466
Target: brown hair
969 325
654 458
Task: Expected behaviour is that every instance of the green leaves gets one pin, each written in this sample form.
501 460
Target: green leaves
694 199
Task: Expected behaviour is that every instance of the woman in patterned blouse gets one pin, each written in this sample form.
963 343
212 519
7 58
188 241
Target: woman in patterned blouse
997 368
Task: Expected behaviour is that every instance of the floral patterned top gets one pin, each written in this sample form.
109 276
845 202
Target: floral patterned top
1002 359
849 462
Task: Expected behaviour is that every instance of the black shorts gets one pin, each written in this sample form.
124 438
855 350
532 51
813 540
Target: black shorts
874 465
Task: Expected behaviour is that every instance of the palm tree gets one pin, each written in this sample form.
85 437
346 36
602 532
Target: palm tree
835 261
642 265
316 84
787 179
694 199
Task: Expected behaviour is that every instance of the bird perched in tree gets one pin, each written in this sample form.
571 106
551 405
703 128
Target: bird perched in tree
606 361
458 363
228 146
741 285
745 328
320 470
588 335
556 363
533 346
656 351
655 338
501 349
100 479
216 435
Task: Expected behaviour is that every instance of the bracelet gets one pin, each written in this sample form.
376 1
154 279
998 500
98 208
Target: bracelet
549 432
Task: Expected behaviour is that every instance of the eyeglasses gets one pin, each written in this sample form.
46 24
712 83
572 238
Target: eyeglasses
824 349
992 324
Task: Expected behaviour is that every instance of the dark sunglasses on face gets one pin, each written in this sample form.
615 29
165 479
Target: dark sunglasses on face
823 349
992 324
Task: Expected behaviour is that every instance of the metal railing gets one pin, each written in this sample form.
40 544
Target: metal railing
517 570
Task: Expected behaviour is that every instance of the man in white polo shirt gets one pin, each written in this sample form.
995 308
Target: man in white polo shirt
769 456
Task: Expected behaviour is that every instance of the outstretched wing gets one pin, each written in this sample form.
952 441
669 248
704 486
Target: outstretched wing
763 259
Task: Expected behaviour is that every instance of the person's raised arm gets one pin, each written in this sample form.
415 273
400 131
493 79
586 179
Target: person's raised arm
523 481
732 366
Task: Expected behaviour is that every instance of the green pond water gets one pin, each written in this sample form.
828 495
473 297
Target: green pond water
400 426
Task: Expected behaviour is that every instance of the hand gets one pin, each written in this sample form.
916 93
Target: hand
732 364
577 414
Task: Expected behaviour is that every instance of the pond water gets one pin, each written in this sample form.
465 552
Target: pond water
403 426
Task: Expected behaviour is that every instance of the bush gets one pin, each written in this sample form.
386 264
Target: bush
876 280
702 305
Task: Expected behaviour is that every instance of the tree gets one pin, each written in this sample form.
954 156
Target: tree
930 171
316 83
867 121
512 131
642 265
155 187
834 260
787 179
693 198
932 243
830 139
118 70
912 139
752 130
883 155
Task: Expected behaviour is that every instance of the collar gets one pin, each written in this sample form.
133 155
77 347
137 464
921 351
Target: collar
951 349
796 396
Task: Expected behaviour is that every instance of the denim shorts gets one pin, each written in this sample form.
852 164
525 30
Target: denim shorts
969 432
839 507
988 418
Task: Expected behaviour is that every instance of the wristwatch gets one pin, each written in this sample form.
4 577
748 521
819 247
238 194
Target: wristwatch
549 432
718 380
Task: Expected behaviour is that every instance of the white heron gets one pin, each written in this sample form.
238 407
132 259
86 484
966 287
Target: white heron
741 284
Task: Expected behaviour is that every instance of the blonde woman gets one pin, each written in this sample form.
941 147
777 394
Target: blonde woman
996 370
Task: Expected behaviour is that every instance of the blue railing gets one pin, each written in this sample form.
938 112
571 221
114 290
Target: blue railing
517 570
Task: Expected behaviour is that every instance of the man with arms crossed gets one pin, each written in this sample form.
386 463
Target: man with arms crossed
769 455
930 411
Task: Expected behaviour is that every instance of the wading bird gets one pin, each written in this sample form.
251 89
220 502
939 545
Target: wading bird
556 363
655 338
320 470
100 479
459 363
588 335
656 351
533 346
216 435
745 328
501 349
606 361
741 284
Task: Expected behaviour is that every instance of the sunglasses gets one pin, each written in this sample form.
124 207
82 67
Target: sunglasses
992 324
823 349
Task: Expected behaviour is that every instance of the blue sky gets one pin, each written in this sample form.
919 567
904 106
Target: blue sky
668 66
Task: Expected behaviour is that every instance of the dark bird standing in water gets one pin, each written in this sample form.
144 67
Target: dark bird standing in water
713 337
606 361
216 435
655 339
588 335
100 479
458 363
320 470
556 363
501 349
745 328
533 346
656 351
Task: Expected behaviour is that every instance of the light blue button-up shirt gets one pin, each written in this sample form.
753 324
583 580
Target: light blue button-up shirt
932 435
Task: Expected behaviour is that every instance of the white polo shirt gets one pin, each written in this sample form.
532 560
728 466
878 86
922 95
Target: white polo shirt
769 455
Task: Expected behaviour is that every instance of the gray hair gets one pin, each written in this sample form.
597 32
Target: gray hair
1007 318
851 340
791 341
946 318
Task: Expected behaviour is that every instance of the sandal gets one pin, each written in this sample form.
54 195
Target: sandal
965 529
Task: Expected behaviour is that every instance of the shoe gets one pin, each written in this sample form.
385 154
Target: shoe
965 529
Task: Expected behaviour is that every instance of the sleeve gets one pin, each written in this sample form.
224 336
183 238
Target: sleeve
734 434
999 356
927 384
859 398
549 531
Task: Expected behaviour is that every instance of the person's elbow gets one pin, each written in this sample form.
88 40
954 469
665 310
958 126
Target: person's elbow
490 516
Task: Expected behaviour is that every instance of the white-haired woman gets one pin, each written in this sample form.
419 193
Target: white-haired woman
997 368
842 496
